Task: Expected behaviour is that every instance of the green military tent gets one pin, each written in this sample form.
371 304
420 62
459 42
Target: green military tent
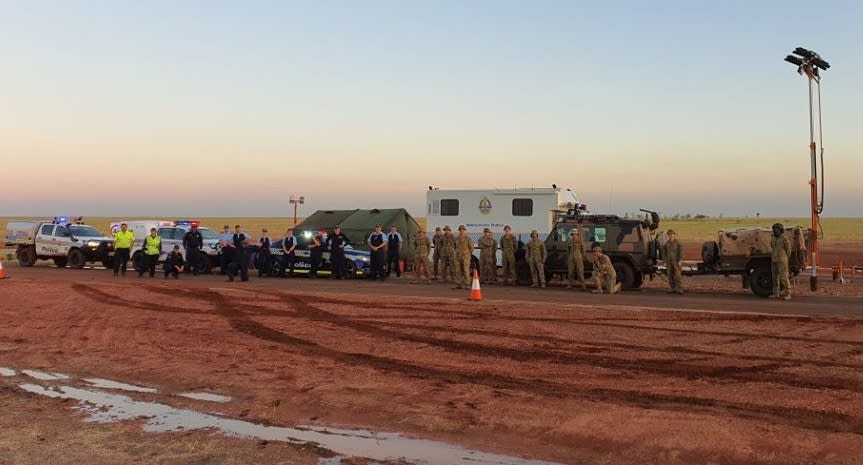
358 224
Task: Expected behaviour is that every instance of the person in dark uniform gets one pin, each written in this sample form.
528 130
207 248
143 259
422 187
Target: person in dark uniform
315 255
174 263
394 245
265 265
289 257
240 260
193 242
378 244
336 242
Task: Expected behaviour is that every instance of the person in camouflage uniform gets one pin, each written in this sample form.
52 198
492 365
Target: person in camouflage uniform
438 244
576 261
447 255
487 260
672 255
421 257
508 246
536 254
781 247
463 254
603 271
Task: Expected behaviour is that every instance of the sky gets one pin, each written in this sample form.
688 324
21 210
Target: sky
217 108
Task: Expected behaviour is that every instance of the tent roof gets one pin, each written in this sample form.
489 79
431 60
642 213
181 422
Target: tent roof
324 219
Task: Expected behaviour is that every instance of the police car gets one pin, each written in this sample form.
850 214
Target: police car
357 262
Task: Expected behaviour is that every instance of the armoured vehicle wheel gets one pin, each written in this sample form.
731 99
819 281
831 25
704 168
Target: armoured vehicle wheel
625 274
60 262
761 281
138 261
710 253
639 281
27 256
76 259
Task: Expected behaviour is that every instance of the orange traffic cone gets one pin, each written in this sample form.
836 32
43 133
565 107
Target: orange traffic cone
2 274
475 291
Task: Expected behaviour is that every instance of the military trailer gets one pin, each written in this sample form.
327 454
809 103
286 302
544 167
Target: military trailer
747 252
631 244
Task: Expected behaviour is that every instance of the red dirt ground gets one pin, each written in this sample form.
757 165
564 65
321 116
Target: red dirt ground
574 383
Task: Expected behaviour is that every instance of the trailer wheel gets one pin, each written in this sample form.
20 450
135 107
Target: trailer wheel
27 256
761 281
625 274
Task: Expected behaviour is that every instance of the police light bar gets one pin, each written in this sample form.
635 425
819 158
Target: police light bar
187 223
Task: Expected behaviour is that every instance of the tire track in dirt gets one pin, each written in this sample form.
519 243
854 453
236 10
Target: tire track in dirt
794 416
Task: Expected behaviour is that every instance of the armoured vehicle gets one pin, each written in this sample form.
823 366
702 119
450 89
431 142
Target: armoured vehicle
70 245
747 252
631 245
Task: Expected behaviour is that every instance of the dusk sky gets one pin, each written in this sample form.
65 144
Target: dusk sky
214 108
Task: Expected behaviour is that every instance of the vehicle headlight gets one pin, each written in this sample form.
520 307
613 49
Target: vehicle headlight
364 259
93 244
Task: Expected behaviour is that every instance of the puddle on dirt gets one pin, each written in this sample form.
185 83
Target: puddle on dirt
108 384
109 407
7 372
44 375
209 397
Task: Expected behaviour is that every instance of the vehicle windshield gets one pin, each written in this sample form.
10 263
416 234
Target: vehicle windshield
207 233
84 231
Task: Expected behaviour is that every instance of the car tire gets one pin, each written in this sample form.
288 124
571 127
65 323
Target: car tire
138 261
60 262
108 263
350 269
27 256
75 259
625 274
761 280
204 265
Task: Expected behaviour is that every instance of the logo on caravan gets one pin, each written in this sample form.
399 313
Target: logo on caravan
485 206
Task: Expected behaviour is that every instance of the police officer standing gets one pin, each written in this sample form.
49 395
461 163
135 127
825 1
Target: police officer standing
336 242
264 263
225 240
394 246
289 258
315 255
508 246
377 244
576 260
240 260
152 250
193 242
436 242
463 254
781 251
536 254
123 240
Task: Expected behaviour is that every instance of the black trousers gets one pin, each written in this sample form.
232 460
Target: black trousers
241 264
337 261
376 260
193 257
315 257
150 262
171 270
121 260
264 262
288 261
224 261
393 262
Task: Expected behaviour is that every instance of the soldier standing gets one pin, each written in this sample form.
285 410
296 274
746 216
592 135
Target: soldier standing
603 270
487 262
421 257
378 244
463 254
436 241
672 254
781 248
447 255
508 246
576 261
536 254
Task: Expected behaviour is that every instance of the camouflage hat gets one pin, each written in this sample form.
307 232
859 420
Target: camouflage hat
596 248
447 228
438 228
486 230
670 231
462 227
507 227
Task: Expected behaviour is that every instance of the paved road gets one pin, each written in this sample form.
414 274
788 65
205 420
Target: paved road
646 299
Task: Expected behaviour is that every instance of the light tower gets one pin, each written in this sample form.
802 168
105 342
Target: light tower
296 201
808 64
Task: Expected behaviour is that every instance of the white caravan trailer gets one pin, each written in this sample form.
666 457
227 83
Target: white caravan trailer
524 209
